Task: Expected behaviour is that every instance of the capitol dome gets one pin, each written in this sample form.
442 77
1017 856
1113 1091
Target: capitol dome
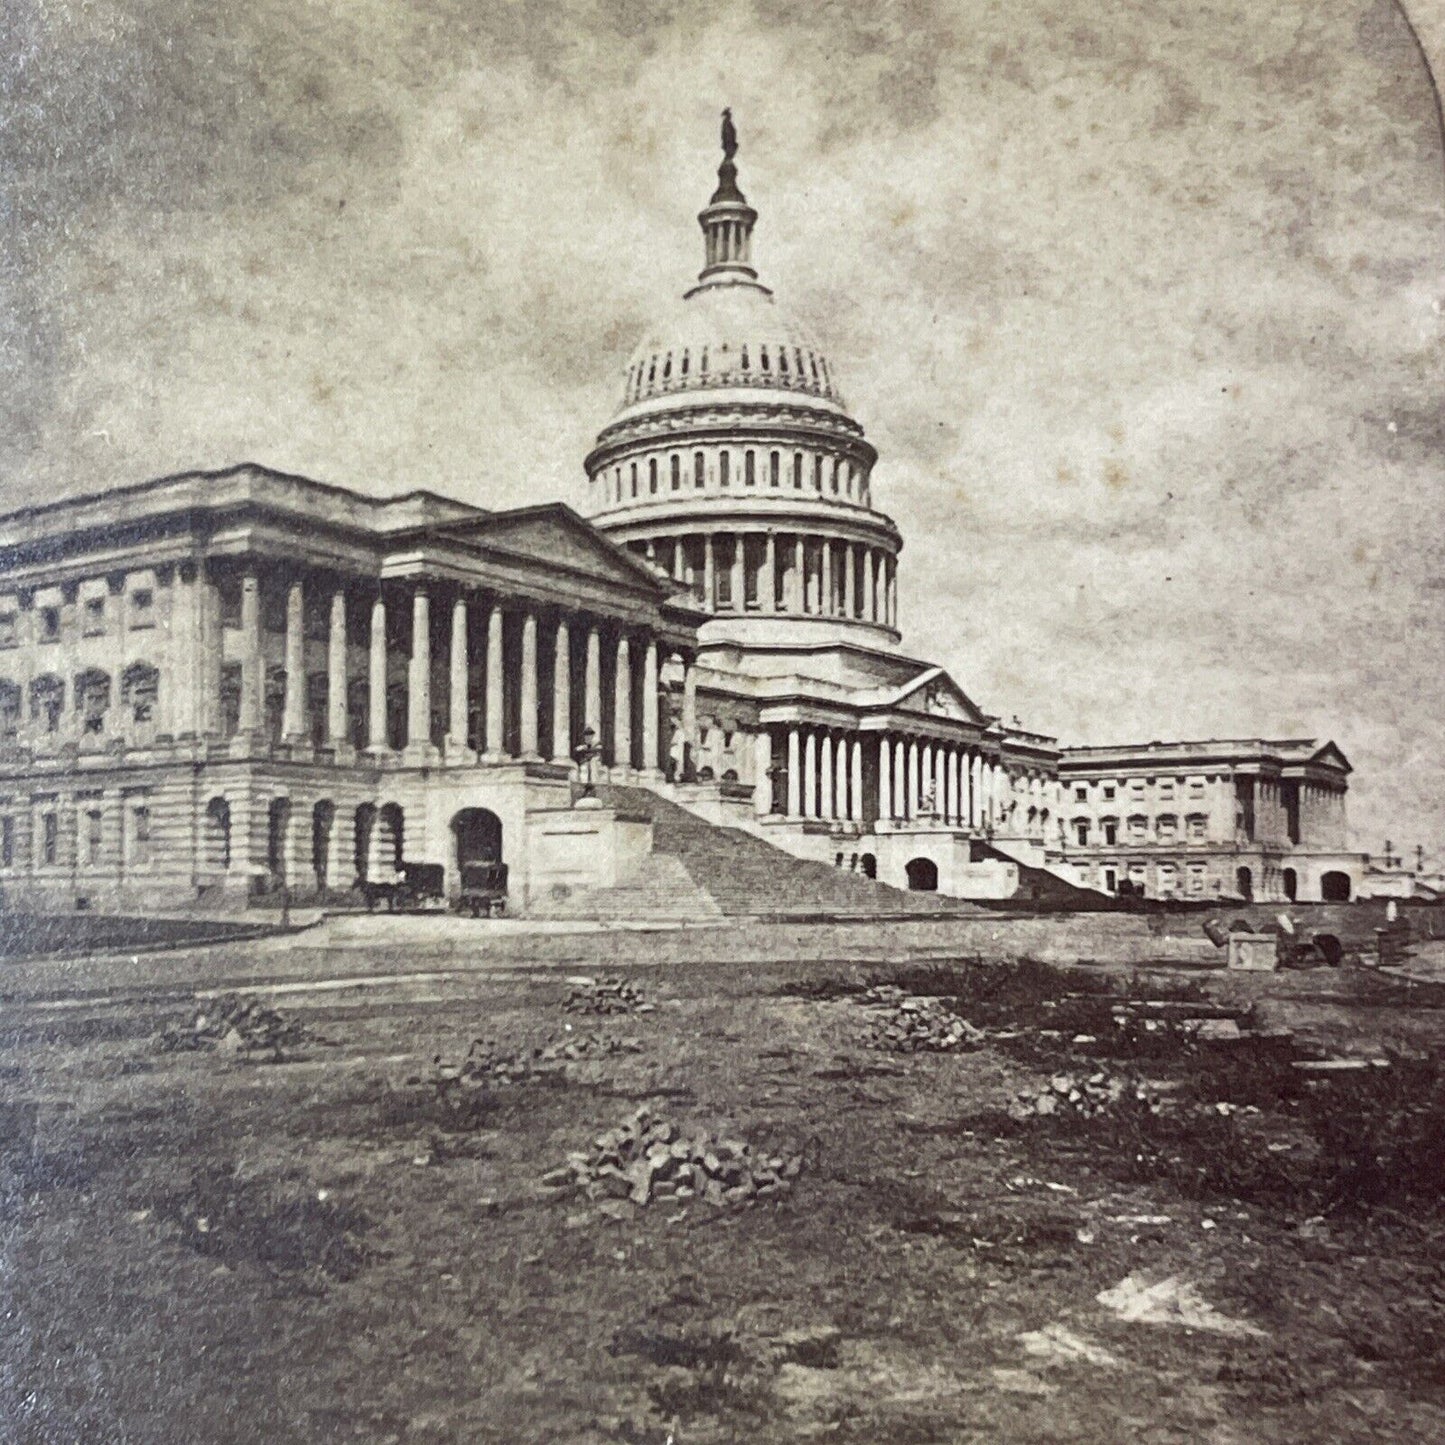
733 464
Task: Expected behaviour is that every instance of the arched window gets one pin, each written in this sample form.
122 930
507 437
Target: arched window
634 478
652 371
773 469
652 475
139 691
813 362
667 368
763 357
617 481
783 360
749 474
745 357
702 365
797 352
10 700
723 461
684 362
817 474
798 470
837 467
676 471
699 469
92 699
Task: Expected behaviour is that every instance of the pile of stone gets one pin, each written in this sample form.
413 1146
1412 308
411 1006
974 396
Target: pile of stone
649 1160
908 1024
1082 1096
487 1063
234 1024
606 996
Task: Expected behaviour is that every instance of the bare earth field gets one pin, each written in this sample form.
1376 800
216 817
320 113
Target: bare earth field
211 1245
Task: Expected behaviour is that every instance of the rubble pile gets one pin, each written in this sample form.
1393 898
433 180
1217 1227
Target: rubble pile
909 1024
648 1159
1082 1097
234 1023
606 996
488 1063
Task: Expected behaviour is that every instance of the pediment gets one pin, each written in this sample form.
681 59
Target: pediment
556 535
935 694
1331 756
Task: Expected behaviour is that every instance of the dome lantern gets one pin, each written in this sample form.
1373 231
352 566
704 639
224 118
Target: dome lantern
727 224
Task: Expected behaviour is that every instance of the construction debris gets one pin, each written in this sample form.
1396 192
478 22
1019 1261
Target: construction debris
1081 1096
648 1159
487 1063
910 1024
1171 1301
606 996
234 1024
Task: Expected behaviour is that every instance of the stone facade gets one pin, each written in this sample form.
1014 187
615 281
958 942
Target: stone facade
221 683
1250 819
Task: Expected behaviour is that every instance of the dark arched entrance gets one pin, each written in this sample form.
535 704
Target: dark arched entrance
278 820
1244 884
1291 884
361 847
479 836
922 875
1335 887
869 865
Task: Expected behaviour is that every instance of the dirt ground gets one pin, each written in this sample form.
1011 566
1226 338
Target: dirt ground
210 1245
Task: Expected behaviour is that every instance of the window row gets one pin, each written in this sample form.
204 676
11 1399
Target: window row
1135 829
837 476
1164 789
79 837
791 365
94 617
90 697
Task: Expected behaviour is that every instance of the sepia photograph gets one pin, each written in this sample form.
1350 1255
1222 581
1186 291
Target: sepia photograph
722 722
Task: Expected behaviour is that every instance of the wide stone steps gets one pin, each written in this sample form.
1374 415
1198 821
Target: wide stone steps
698 870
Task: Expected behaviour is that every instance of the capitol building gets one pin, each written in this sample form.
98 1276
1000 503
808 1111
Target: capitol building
219 684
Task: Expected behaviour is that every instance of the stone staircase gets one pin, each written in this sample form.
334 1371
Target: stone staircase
698 871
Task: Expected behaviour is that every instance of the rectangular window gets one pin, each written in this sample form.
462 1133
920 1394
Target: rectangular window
94 616
1109 790
142 608
1081 832
140 823
1081 794
1198 827
50 624
676 472
92 837
773 469
724 462
49 839
9 629
1111 880
1166 788
1111 831
7 842
749 476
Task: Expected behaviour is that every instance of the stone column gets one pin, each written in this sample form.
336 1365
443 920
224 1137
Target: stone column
825 580
798 590
336 671
855 792
870 595
418 676
892 593
494 744
592 686
841 805
622 707
825 776
768 581
562 693
915 780
689 720
457 679
900 778
293 709
650 720
940 779
795 775
762 762
848 567
709 572
810 775
528 708
252 665
739 583
376 738
885 779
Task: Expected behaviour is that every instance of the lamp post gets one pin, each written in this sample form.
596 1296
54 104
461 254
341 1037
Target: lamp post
585 755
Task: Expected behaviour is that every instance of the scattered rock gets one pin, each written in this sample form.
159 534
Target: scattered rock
1081 1096
235 1024
648 1159
910 1024
606 996
1062 1346
1172 1301
487 1064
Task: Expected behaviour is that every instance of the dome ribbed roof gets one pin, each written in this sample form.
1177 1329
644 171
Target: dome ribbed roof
726 336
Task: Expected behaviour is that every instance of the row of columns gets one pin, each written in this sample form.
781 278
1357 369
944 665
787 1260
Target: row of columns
793 573
565 730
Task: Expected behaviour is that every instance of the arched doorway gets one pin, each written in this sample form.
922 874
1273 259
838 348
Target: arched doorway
1290 881
868 865
1244 884
1335 887
278 822
361 854
922 875
478 833
390 837
218 834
